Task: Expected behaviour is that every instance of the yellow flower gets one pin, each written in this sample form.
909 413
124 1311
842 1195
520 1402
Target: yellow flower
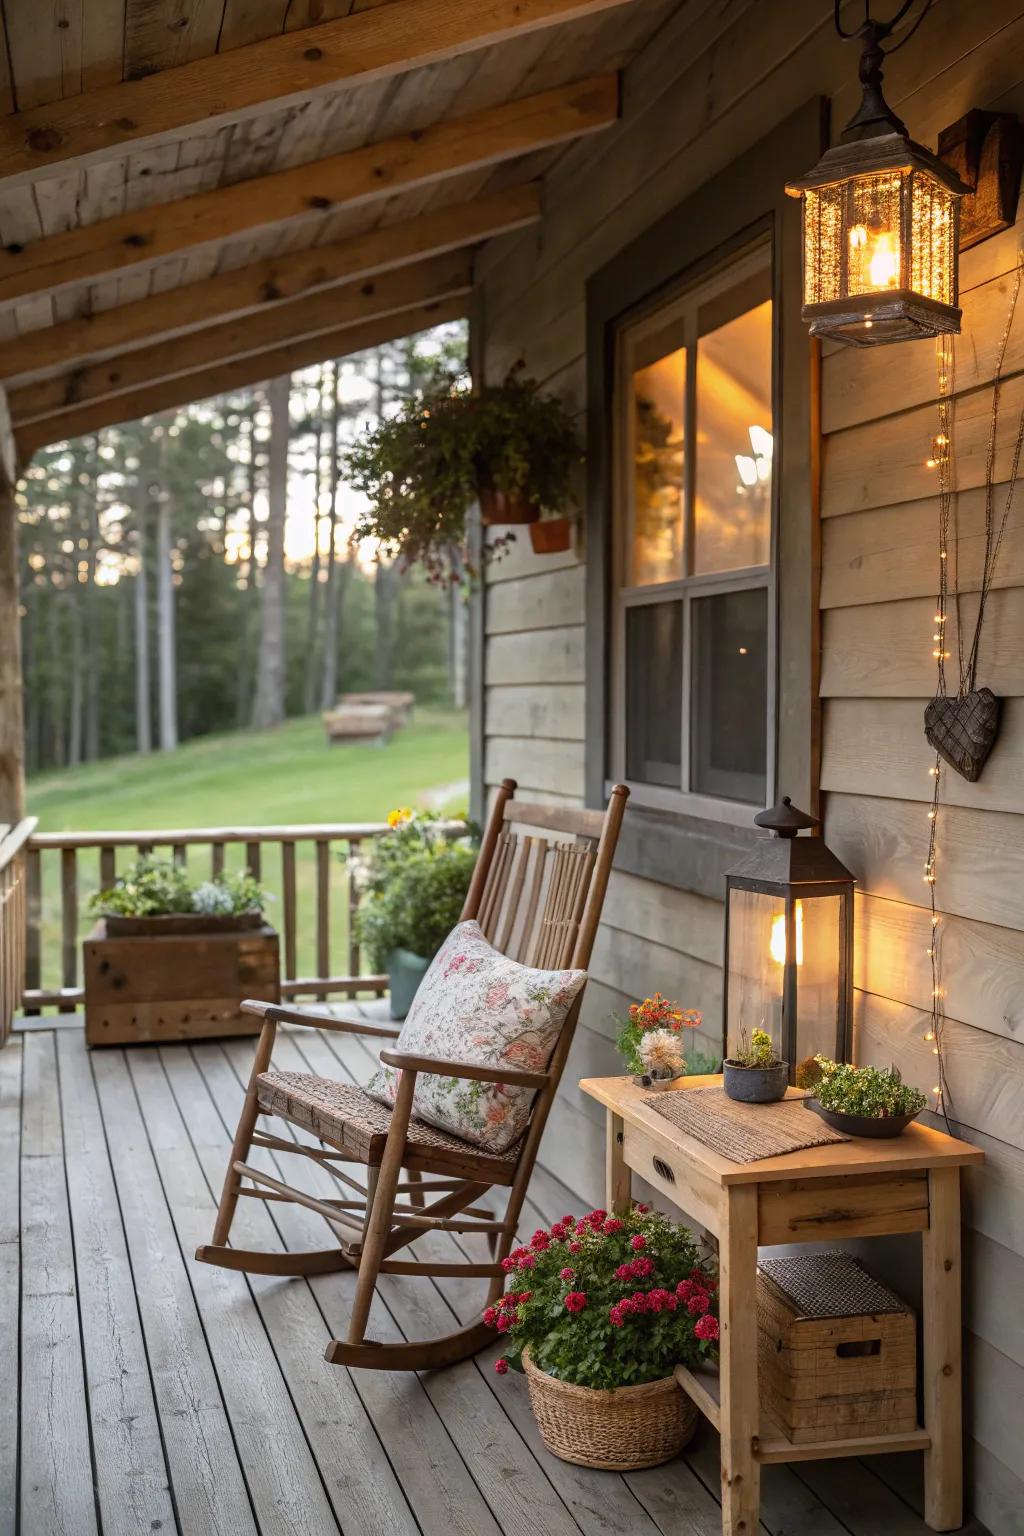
394 817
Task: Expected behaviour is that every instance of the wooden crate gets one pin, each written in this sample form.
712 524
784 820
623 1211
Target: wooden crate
837 1350
176 986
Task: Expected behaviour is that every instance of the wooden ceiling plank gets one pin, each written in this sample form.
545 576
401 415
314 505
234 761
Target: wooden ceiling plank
45 42
387 41
166 34
266 282
239 373
388 293
360 176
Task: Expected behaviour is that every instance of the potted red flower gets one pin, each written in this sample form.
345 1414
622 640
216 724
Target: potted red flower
598 1312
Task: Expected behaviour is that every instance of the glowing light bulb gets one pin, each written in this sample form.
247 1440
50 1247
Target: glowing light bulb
884 263
746 468
762 442
777 941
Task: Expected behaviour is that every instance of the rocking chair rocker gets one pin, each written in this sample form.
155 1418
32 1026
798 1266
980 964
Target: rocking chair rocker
537 894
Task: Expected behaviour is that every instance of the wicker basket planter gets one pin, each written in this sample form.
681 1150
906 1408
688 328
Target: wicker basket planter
618 1431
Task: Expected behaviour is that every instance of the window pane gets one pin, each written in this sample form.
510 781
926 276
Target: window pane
654 693
658 425
729 728
734 442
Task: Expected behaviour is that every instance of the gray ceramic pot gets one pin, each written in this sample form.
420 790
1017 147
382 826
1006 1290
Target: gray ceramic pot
405 972
755 1085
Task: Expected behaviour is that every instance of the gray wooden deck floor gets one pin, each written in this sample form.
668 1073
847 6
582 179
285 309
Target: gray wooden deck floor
157 1394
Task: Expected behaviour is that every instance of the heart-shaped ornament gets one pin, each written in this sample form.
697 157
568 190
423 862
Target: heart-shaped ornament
963 731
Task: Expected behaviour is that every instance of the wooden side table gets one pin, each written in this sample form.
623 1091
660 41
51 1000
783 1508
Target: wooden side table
849 1189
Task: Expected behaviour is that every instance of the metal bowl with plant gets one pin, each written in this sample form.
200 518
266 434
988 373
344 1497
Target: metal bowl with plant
756 1074
863 1101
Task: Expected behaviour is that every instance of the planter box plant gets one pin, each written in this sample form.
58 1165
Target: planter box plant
170 959
862 1101
412 883
507 447
598 1313
756 1074
650 1039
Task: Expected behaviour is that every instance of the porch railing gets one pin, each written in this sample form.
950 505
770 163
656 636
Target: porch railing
307 869
13 881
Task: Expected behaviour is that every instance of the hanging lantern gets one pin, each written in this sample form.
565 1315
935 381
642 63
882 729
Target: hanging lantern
881 223
789 943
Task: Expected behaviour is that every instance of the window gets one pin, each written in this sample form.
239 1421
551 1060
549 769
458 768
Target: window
691 674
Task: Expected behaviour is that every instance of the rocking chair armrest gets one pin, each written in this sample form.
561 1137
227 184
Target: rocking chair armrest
471 1069
282 1015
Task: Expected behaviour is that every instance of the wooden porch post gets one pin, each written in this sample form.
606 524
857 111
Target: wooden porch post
12 735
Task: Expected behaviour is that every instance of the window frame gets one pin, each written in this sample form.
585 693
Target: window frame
678 310
714 220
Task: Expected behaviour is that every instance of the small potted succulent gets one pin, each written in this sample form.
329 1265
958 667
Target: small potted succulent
651 1040
412 885
597 1313
756 1074
862 1101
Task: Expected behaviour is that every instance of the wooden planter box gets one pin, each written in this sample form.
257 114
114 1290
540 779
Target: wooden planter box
837 1350
168 985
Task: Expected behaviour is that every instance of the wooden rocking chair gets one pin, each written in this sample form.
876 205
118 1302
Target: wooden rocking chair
537 893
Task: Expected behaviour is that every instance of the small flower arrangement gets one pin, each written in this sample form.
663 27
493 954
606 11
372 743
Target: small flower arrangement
651 1037
608 1301
159 888
876 1093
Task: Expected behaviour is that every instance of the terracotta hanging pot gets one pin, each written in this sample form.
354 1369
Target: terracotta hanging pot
551 535
499 507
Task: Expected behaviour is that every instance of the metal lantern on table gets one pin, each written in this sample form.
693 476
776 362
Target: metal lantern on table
881 224
789 943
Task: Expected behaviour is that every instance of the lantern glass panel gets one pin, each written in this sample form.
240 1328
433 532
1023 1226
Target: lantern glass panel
757 966
873 243
933 240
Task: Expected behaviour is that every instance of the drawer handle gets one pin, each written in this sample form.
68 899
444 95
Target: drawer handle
663 1170
859 1349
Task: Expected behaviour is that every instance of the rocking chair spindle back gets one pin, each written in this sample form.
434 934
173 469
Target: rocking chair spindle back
537 892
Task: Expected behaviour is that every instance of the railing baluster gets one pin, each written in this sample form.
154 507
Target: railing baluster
108 866
179 853
252 859
34 924
323 912
288 894
69 921
354 960
216 859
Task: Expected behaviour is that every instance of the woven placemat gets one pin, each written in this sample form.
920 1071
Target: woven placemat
744 1133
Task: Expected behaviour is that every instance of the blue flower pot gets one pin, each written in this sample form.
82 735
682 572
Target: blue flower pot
405 972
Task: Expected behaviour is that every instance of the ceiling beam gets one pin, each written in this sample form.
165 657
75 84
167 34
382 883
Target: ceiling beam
410 287
359 176
370 45
240 373
275 280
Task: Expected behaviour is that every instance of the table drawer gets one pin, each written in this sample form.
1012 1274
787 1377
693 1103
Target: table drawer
663 1167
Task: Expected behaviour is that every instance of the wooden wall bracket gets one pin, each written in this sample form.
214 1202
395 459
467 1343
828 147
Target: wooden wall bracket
984 148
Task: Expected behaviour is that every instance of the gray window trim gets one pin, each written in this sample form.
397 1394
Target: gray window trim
716 221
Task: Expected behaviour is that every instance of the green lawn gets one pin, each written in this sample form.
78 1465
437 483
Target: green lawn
250 779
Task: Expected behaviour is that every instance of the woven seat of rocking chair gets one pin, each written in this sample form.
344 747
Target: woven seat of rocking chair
347 1118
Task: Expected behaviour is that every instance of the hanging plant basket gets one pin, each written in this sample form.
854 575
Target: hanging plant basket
551 536
499 507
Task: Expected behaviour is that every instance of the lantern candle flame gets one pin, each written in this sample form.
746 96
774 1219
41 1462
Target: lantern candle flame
777 942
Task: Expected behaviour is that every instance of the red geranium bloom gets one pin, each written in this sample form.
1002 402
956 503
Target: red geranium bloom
576 1301
637 1241
706 1327
613 1224
698 1303
501 1366
566 1273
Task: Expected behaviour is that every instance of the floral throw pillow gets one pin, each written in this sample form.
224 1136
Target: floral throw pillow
476 1005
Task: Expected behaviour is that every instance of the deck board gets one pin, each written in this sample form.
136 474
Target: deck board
157 1393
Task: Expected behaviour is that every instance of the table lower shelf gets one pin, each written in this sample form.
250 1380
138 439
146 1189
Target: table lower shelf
773 1445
